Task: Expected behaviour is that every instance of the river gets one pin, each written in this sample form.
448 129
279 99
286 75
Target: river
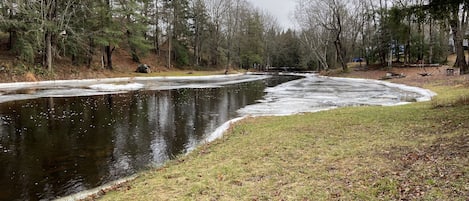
60 138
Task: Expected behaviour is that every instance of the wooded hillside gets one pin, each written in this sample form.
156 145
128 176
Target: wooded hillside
47 34
215 33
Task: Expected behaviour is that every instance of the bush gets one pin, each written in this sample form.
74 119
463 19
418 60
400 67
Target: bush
25 51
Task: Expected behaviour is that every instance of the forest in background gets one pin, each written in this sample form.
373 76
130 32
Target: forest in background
222 34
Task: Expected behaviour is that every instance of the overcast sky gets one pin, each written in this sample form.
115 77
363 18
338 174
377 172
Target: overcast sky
281 9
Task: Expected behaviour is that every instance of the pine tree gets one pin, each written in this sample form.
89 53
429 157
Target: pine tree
135 27
176 15
252 49
199 29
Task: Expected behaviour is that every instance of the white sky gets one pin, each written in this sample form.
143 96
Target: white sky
281 9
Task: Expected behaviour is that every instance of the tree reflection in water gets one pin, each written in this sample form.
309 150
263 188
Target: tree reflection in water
58 146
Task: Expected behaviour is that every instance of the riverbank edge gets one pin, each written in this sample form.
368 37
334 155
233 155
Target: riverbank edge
98 190
189 178
217 134
112 185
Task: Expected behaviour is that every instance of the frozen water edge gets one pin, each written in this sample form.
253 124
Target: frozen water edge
316 93
222 129
301 96
85 194
117 87
311 94
91 87
426 95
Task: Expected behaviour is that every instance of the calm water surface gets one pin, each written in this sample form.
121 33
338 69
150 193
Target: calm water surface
53 147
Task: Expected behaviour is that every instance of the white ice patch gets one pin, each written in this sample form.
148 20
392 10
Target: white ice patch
317 93
91 87
117 87
222 129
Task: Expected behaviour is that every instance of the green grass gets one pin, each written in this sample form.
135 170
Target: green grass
414 152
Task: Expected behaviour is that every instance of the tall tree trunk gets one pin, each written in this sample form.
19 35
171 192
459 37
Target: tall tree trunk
108 57
157 29
340 54
430 54
464 69
12 39
49 17
12 33
48 48
197 51
458 43
460 57
170 30
338 46
89 59
217 45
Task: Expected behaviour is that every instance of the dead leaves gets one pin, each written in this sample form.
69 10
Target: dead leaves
439 169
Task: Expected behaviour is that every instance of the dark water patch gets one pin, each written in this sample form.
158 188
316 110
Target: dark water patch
52 147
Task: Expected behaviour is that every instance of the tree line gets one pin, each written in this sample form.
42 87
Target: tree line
212 33
233 33
383 31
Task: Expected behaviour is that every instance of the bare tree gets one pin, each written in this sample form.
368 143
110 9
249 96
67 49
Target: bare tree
333 18
272 28
458 21
218 12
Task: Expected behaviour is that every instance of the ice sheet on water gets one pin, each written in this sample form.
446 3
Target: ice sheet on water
117 87
91 87
310 94
316 93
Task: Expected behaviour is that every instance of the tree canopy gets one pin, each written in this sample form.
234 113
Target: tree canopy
212 33
232 33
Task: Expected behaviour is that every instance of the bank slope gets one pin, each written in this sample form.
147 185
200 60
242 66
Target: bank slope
416 151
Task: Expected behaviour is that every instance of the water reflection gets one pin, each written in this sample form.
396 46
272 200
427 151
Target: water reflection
58 146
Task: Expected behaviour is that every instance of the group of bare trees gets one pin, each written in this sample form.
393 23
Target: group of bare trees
382 31
210 33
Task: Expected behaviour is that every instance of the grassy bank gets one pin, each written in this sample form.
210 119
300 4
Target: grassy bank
417 151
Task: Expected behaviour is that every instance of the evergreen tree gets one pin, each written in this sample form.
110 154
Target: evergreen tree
177 14
35 26
109 34
252 49
272 47
398 30
200 28
135 27
289 50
